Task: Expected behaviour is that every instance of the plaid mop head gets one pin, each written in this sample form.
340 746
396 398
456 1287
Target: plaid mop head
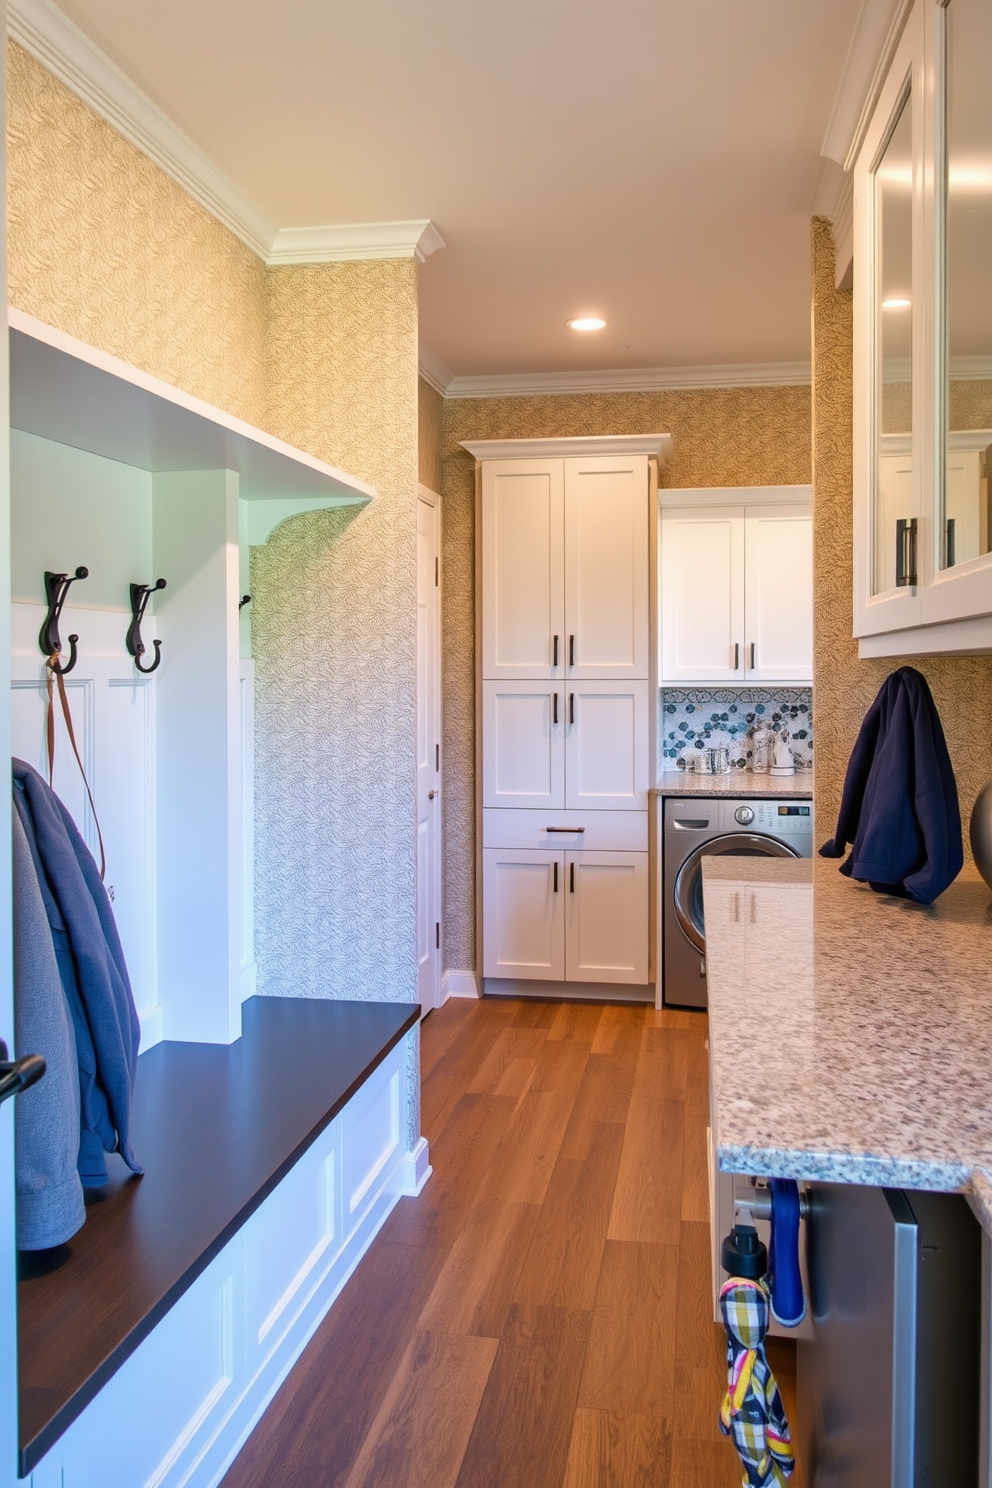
752 1414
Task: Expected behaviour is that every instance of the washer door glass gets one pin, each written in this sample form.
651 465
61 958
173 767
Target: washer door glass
689 881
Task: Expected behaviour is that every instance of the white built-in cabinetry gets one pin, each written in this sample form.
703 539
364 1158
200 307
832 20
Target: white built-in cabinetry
737 586
565 688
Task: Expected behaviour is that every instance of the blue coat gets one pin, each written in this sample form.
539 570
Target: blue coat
94 976
900 803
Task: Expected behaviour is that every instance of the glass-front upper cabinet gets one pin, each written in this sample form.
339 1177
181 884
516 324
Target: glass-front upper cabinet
923 342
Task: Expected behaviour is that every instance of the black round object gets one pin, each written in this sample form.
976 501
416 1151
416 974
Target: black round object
744 1254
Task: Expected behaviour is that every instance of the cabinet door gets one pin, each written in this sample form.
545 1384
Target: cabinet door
606 917
523 744
778 594
606 746
606 567
522 568
702 594
522 917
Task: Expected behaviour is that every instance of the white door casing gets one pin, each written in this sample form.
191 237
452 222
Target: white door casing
606 746
522 898
523 753
523 567
606 917
702 594
428 750
778 594
606 567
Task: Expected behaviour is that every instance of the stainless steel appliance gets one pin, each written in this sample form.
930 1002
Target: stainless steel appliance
694 829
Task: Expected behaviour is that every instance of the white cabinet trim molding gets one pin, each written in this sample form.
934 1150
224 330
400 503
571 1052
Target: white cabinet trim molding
627 380
659 445
691 496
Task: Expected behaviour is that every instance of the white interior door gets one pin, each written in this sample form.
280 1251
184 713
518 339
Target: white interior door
702 594
606 918
523 920
522 568
523 744
606 746
606 567
778 594
428 751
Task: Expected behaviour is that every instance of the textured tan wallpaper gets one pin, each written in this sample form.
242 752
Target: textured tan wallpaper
431 413
105 246
843 686
721 437
334 637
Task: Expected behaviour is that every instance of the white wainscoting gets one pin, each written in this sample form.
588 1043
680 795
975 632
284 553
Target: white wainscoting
180 1408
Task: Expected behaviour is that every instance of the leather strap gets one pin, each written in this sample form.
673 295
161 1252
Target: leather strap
52 670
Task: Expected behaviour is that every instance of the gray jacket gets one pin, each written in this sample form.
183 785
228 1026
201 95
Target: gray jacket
49 1192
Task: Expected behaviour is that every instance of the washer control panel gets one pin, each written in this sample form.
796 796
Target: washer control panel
787 819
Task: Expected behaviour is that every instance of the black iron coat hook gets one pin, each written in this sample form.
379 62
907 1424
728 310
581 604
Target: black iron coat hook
134 643
56 589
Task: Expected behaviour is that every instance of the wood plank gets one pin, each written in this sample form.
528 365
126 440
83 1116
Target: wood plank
576 1020
521 1169
701 1343
450 1078
511 1044
704 1464
561 1065
460 1157
314 1428
439 1029
517 1078
695 1173
604 1096
564 1259
532 1013
630 1365
423 1425
478 1281
613 1449
647 1203
522 1433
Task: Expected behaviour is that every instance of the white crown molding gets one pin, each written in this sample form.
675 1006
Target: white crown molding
970 368
339 242
67 52
434 372
580 447
876 36
631 380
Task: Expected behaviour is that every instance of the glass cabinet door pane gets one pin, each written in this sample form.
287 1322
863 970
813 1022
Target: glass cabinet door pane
894 562
967 362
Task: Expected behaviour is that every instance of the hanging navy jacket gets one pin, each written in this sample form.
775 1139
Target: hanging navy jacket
900 803
94 975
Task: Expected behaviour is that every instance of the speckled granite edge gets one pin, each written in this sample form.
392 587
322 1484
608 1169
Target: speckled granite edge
741 783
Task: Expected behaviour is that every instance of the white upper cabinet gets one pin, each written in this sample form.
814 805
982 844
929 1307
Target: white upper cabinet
606 566
737 586
778 597
565 567
523 589
923 343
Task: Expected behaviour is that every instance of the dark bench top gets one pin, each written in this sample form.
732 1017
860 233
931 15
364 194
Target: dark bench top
216 1127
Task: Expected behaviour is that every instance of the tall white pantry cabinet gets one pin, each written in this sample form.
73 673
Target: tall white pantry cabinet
565 559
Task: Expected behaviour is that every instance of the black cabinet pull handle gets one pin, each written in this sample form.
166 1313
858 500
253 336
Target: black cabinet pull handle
737 656
571 650
752 656
570 830
950 558
571 707
554 709
571 878
905 552
555 866
554 661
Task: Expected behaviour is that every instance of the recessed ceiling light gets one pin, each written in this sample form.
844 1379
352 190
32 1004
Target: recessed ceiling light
896 303
586 323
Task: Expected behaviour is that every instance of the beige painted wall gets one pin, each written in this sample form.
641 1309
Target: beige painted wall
430 406
844 686
721 437
105 246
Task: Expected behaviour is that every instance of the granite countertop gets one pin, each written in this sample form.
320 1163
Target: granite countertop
850 1032
738 783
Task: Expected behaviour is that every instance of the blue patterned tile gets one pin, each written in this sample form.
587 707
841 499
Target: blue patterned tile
701 718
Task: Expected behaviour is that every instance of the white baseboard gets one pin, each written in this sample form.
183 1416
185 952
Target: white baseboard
459 984
414 1170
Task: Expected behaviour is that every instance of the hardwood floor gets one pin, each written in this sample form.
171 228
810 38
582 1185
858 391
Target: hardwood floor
540 1316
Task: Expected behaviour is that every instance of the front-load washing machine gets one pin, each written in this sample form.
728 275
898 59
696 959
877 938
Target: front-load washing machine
695 828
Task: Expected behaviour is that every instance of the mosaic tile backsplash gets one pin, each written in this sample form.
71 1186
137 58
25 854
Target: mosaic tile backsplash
701 718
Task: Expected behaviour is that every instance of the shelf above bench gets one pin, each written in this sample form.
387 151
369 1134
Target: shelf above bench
72 393
217 1127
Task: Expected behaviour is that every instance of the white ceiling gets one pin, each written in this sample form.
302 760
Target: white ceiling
652 160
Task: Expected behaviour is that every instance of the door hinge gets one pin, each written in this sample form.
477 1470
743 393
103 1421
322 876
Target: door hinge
437 756
437 569
437 936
